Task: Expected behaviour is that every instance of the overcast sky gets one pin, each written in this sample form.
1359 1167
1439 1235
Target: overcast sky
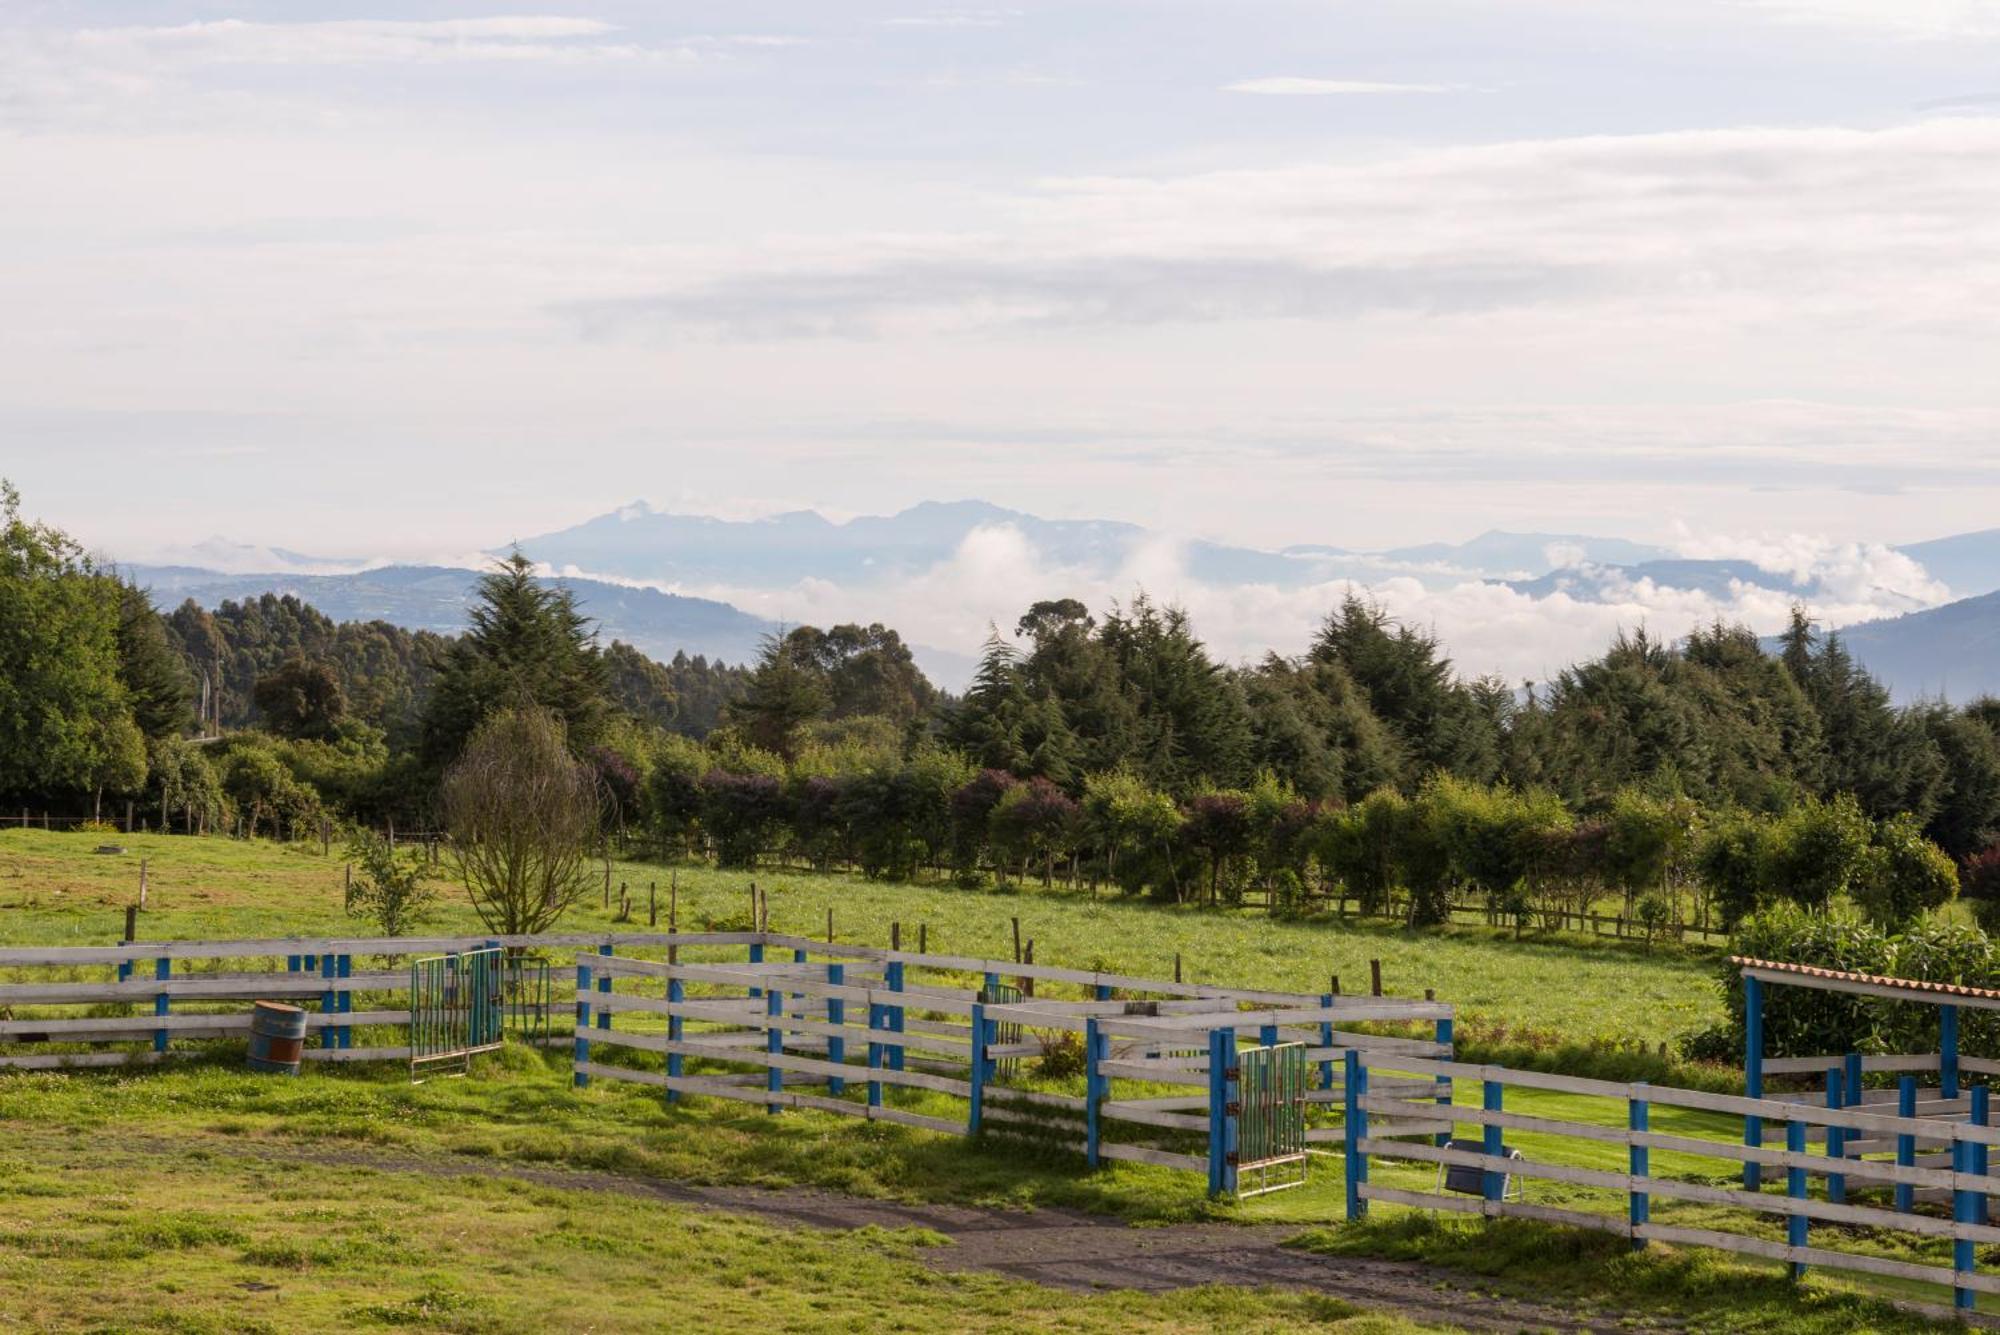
1327 271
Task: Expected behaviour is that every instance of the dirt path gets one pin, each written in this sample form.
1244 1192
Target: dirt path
1054 1247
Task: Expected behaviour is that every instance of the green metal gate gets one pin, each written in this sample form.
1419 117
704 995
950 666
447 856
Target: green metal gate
1004 1031
1271 1126
457 1008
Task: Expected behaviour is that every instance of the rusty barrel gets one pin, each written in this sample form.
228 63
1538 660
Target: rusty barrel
277 1037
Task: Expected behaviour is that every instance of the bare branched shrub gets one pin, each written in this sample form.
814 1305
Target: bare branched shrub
524 817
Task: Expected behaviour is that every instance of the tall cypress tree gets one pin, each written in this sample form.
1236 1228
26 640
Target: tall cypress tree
527 645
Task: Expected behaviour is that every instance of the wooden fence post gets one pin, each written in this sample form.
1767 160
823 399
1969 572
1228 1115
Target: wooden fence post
1981 1152
344 969
1356 1130
1836 1137
774 1045
1221 1123
604 986
1492 1183
581 1051
1797 1225
1445 1039
1906 1146
676 1028
977 1102
1639 1207
1964 1210
836 1016
163 971
892 978
1095 1047
1753 1074
1375 977
1948 1051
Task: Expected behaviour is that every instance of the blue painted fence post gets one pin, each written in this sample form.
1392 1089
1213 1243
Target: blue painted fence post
1639 1117
1326 1041
1492 1183
1836 1136
893 978
1445 1041
344 971
1795 1187
581 1050
1906 1146
1753 1074
1221 1056
774 1046
676 1028
1267 1035
1232 1112
1093 1091
1964 1210
1854 1091
163 971
1356 1081
1981 1152
329 1001
1103 992
757 957
877 1019
604 988
978 1097
1948 1051
836 1016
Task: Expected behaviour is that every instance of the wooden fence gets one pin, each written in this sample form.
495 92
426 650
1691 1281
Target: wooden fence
198 990
1824 1164
882 1034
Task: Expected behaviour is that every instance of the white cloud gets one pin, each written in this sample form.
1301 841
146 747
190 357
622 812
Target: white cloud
1940 20
1291 86
522 38
955 18
997 572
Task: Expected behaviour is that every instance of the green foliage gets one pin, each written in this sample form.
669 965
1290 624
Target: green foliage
1800 1021
1817 850
65 710
1361 846
389 887
1904 874
301 698
190 795
259 785
1732 859
783 695
528 647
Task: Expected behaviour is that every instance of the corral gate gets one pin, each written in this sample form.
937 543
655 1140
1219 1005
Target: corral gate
457 1008
1271 1134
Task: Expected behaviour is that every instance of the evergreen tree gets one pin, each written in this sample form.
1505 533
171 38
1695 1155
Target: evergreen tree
155 676
528 647
781 698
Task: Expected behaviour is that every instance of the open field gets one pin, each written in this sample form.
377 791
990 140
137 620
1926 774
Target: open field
54 891
164 1198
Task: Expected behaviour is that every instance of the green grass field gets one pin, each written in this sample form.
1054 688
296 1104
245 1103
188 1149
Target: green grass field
53 890
167 1198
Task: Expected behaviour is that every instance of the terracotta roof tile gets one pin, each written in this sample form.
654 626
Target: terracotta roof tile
1878 980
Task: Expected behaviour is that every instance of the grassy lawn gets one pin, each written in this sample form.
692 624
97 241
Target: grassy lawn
196 1238
93 1200
53 890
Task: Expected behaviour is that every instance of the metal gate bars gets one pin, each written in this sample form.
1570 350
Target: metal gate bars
457 1008
1271 1128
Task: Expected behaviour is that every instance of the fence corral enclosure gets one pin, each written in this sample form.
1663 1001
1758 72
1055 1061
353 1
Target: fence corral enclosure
1173 1074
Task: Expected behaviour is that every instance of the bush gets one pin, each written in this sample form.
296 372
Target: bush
390 889
1979 883
1807 1022
1904 874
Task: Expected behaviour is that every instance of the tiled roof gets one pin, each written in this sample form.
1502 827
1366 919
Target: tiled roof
1805 971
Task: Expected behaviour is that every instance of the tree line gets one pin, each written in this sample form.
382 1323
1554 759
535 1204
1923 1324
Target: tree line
1109 748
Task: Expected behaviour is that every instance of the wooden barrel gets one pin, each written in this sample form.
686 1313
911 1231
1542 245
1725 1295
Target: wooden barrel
277 1037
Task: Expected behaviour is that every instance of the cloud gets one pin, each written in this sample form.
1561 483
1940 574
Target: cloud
520 38
1691 232
997 572
1290 86
1939 20
955 18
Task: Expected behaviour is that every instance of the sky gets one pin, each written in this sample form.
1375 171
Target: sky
418 278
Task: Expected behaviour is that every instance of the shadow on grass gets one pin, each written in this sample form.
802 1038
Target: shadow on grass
1696 1289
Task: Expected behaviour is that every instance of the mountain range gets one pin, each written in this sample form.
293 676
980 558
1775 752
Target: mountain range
622 564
